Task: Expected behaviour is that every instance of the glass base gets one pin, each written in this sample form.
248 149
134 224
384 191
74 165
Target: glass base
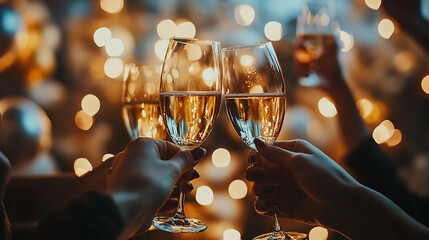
179 225
281 236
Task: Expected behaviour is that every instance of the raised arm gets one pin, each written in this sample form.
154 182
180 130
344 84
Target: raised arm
312 188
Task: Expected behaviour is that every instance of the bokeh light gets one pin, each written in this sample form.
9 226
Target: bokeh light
347 40
81 166
194 52
383 132
404 61
209 76
113 67
114 47
107 156
186 30
204 195
221 158
325 20
90 104
365 107
318 233
395 139
161 49
244 14
83 120
166 29
373 4
425 84
273 31
237 189
247 61
256 89
386 28
112 6
102 36
231 234
327 108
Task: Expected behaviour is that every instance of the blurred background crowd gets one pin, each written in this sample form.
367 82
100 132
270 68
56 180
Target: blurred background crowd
61 74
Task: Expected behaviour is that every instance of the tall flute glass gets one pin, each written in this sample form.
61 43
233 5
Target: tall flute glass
256 101
190 97
140 102
316 29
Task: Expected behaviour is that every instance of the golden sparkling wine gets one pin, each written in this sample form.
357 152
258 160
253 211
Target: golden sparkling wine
189 116
256 115
315 44
144 120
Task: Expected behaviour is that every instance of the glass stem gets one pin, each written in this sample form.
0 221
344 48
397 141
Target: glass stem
180 213
276 223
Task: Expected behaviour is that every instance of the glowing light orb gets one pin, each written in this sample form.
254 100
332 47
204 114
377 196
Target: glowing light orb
244 14
237 189
273 31
221 158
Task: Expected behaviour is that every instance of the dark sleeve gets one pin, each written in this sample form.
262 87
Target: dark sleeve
4 224
372 168
92 216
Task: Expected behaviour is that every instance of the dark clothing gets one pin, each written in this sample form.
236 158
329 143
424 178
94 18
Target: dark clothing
372 168
4 224
92 216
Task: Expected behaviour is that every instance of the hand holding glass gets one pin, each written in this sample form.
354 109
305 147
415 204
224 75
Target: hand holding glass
190 97
256 100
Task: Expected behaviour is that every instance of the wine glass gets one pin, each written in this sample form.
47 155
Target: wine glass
140 101
316 29
256 101
190 97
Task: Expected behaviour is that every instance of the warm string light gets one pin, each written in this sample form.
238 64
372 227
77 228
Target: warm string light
244 14
90 104
112 6
386 28
113 67
83 120
385 132
273 31
82 166
347 40
327 108
237 189
221 158
102 36
107 156
425 84
318 233
114 47
231 234
373 4
204 195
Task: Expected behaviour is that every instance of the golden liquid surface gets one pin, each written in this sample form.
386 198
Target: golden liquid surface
189 116
256 116
144 120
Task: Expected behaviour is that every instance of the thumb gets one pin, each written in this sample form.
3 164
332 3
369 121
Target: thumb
273 154
186 160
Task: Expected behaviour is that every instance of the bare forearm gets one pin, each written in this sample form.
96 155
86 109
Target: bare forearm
353 129
368 214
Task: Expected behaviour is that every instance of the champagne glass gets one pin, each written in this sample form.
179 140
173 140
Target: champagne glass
316 29
140 102
256 100
190 97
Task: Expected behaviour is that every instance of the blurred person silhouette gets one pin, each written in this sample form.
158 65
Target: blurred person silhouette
302 183
365 159
117 199
26 137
